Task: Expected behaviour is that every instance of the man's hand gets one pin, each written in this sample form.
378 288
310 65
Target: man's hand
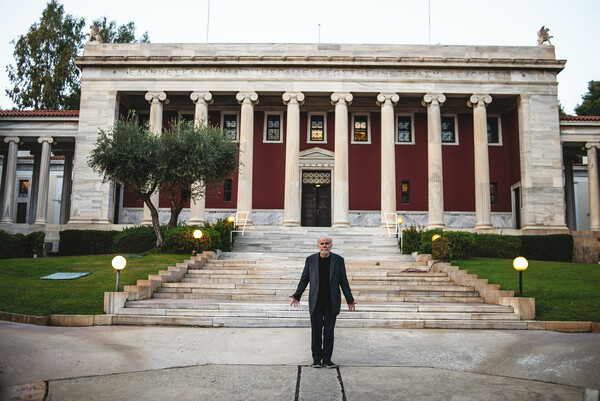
352 307
295 302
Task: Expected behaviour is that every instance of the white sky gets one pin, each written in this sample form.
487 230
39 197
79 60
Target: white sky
573 23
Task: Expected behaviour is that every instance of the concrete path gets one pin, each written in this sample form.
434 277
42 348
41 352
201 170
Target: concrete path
157 363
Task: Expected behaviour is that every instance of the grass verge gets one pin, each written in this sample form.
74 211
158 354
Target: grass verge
22 291
562 291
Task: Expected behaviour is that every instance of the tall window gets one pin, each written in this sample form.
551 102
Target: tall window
404 133
493 130
230 126
448 130
494 193
360 130
23 188
317 128
273 128
227 185
405 192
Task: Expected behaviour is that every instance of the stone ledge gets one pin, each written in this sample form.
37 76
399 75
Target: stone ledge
572 327
27 319
72 320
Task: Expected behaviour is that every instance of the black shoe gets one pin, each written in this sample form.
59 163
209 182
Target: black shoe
329 364
317 364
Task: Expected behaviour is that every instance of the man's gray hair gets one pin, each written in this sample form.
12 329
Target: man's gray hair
325 236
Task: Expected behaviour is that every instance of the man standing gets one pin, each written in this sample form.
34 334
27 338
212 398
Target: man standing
326 273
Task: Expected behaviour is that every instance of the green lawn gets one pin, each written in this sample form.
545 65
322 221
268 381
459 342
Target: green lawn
562 291
22 291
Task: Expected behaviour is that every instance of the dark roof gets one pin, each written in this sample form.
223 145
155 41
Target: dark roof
580 118
39 113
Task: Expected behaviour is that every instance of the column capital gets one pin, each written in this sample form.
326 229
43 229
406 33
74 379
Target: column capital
152 97
247 97
433 98
48 139
590 145
479 100
387 98
14 139
201 97
293 97
341 97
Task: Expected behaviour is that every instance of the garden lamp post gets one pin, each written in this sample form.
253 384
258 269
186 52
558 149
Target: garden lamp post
520 264
399 230
197 235
119 263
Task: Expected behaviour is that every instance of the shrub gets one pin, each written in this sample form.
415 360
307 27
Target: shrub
223 228
426 242
496 246
557 247
461 244
86 242
411 239
35 243
181 239
441 249
135 240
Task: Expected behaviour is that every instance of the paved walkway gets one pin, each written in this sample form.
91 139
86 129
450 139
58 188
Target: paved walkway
178 363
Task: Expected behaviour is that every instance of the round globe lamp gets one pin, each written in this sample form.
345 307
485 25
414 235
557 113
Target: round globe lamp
520 264
197 234
435 236
231 219
119 263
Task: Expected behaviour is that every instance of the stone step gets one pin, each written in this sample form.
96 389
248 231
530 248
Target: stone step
226 321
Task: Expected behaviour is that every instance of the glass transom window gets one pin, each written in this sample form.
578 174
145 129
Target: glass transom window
273 133
317 128
404 133
448 130
230 125
361 126
493 133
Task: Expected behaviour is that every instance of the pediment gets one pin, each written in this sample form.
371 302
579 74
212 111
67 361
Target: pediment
316 153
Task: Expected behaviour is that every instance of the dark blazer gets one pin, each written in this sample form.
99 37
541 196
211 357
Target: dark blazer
337 279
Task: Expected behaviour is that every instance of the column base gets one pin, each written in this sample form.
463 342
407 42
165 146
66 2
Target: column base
435 226
340 224
291 223
196 222
484 226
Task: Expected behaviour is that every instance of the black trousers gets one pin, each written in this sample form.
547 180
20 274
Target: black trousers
322 322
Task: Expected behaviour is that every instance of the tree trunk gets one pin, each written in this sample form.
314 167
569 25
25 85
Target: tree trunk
177 204
155 223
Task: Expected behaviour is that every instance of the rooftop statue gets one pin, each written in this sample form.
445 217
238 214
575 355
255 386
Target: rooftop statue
95 34
544 36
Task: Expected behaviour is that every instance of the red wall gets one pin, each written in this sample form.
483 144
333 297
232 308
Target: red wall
268 170
214 195
364 168
411 166
458 164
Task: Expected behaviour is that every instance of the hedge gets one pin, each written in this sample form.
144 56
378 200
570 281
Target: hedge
463 245
86 242
557 247
21 246
135 240
181 239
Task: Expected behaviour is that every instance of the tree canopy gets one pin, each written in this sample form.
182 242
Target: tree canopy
44 75
591 101
178 161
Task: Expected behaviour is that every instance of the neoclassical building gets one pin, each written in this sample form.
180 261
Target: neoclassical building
334 135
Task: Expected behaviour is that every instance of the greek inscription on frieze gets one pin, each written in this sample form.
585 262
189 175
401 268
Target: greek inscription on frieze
326 73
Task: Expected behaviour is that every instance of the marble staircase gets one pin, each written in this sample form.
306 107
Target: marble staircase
250 287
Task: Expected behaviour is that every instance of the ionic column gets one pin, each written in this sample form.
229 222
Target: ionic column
341 215
569 193
483 211
291 204
67 185
157 101
594 185
244 198
198 206
8 207
435 170
387 101
44 181
33 187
